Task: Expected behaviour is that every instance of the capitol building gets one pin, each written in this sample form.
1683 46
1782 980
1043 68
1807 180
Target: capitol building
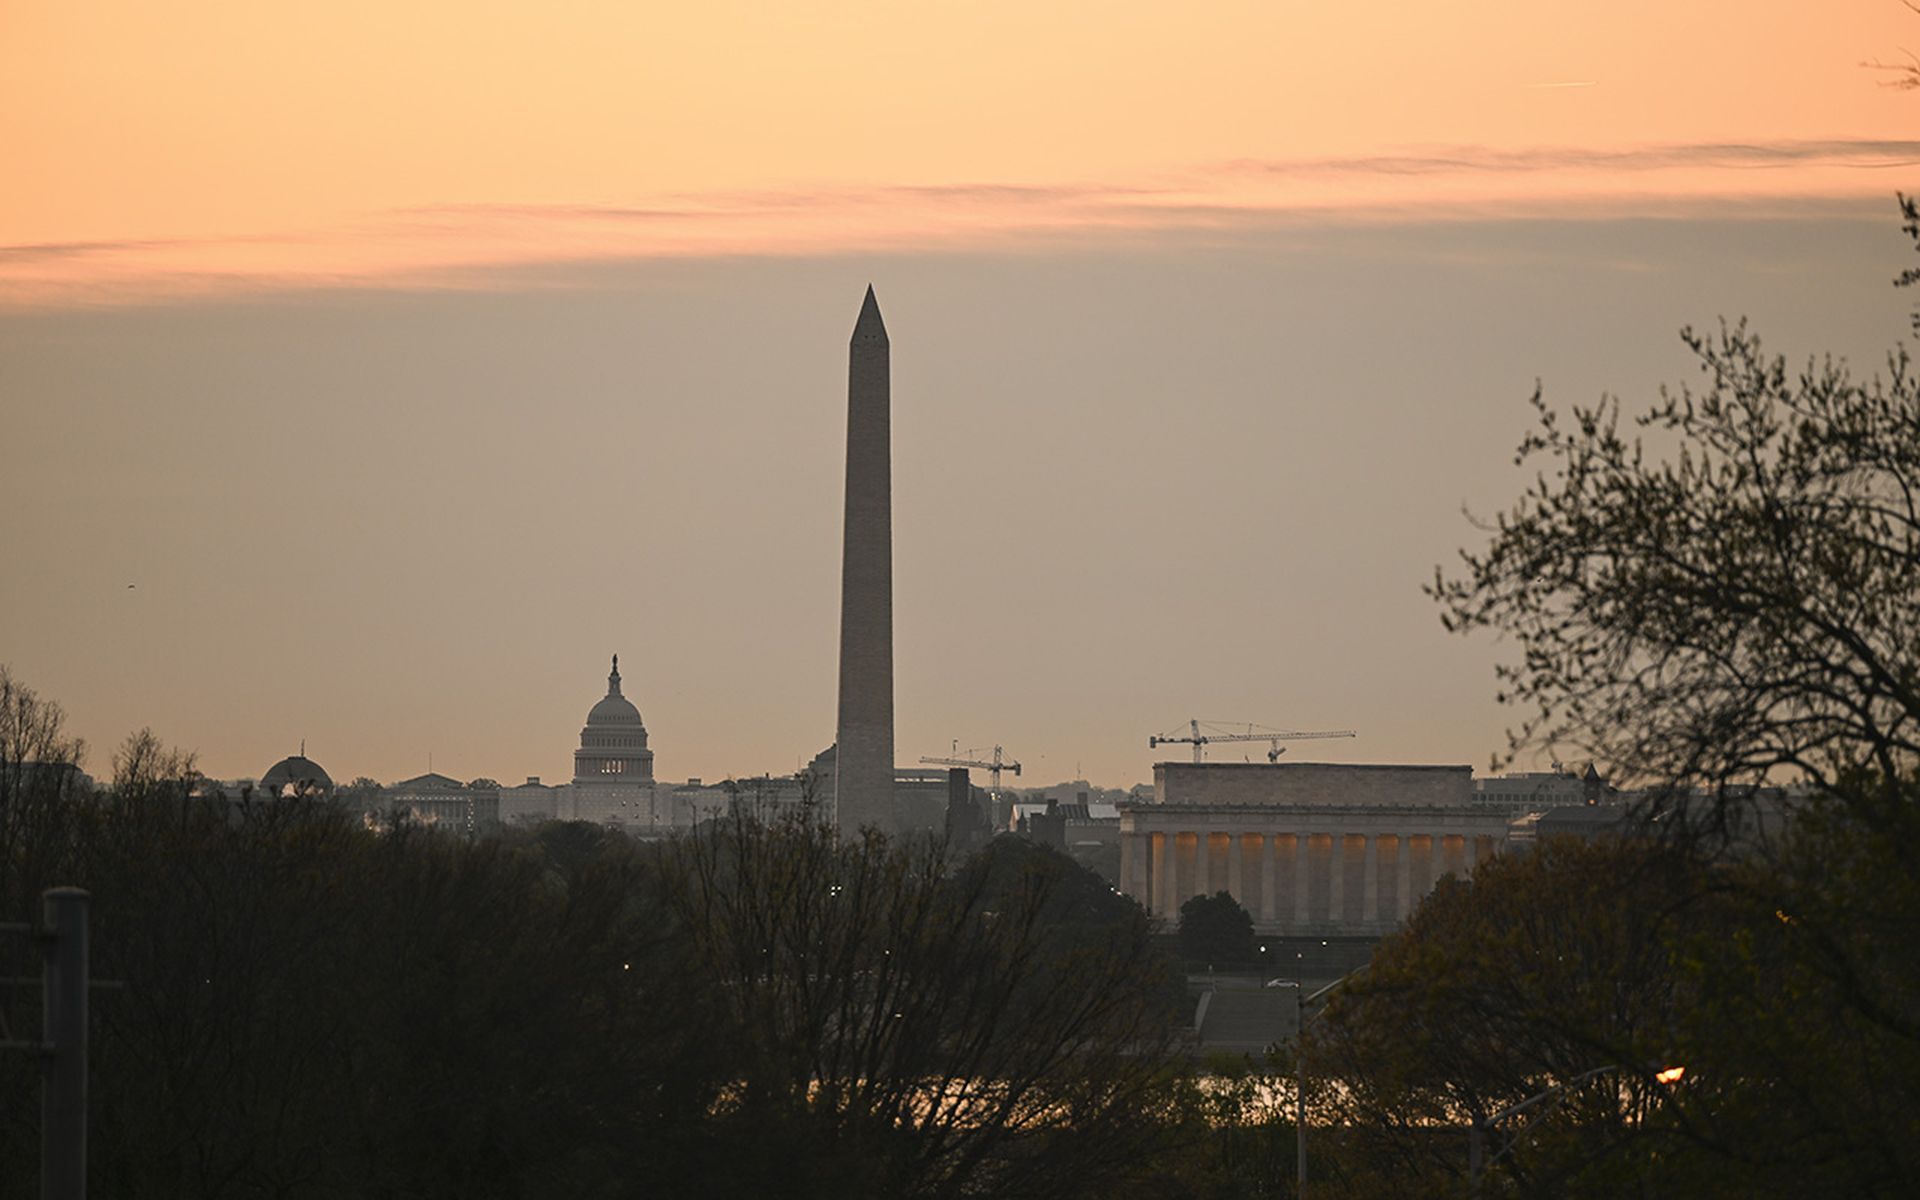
613 781
612 785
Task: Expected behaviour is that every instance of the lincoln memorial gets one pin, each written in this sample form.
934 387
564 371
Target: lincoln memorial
1306 848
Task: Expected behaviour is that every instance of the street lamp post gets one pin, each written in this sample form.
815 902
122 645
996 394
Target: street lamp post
1477 1160
1301 998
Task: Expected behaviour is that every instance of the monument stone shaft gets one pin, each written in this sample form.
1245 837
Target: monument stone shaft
863 776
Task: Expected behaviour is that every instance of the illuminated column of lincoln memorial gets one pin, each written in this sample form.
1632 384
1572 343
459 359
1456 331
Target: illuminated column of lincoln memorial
1308 848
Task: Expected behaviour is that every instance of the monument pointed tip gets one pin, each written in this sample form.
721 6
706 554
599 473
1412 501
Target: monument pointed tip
870 326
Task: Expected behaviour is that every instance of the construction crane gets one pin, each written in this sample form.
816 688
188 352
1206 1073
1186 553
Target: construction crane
994 765
1217 732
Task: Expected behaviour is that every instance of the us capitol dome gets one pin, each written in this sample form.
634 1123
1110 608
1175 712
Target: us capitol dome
613 745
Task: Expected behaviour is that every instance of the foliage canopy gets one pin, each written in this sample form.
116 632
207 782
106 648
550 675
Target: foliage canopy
1720 592
1738 608
1216 930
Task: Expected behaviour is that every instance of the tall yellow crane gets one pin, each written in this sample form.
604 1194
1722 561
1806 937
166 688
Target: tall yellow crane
995 765
1215 731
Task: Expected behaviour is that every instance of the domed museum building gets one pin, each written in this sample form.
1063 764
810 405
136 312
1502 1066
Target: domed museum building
296 775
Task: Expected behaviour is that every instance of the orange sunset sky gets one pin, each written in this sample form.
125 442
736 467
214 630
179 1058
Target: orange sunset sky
159 147
369 372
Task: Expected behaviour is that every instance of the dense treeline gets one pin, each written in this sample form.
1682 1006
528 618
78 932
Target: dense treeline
1785 986
307 1007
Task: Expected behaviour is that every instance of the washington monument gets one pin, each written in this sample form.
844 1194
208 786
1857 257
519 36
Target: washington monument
863 779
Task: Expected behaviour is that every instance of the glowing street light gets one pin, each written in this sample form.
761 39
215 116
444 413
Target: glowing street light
1476 1160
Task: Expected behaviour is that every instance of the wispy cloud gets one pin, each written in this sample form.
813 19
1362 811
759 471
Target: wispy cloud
1854 155
456 244
737 205
570 211
48 252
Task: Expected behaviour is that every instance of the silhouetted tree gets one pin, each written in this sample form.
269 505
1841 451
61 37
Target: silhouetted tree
43 829
1910 209
1803 1043
1216 930
361 797
905 1029
1730 597
40 782
311 1009
1902 75
144 766
1740 607
1543 967
1236 1133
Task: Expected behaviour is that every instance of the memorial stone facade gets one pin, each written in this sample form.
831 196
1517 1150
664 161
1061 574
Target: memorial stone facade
1308 849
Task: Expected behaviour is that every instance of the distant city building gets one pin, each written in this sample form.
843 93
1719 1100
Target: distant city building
613 784
529 803
767 797
1584 821
1736 822
295 775
21 777
969 818
435 799
1307 848
1022 813
1537 791
918 801
1085 829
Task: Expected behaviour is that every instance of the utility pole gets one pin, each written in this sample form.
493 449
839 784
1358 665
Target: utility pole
65 980
63 1114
